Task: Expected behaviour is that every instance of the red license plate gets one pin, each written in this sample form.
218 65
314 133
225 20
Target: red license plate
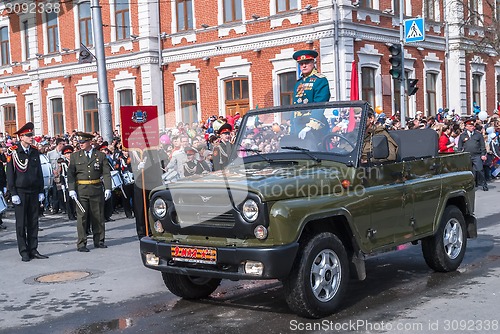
194 254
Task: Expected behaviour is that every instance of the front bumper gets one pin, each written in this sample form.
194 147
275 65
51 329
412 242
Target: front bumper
277 261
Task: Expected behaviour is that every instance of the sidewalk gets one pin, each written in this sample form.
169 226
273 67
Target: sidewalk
69 281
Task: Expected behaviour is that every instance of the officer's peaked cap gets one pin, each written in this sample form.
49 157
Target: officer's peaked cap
302 55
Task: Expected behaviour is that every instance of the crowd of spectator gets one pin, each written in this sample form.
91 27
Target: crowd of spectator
188 149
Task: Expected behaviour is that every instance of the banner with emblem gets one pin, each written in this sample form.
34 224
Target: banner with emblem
139 127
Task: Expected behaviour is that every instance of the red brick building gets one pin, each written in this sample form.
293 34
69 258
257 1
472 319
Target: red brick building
196 58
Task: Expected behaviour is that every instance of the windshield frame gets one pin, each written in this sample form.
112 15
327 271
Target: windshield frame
351 158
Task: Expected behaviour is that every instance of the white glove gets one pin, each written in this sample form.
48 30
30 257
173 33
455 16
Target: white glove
141 165
4 190
107 194
41 197
72 194
303 132
16 200
63 188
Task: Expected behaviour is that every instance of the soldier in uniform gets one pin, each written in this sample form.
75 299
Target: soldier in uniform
472 141
87 167
147 175
25 182
3 188
222 152
311 87
373 128
70 204
191 166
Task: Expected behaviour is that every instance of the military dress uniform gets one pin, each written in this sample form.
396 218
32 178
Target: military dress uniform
25 183
86 176
309 89
147 176
191 167
222 151
70 204
474 144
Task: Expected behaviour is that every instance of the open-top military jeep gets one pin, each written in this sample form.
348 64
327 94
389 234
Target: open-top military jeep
307 211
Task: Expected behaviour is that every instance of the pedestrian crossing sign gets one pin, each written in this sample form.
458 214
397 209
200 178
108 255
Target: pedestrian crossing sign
414 30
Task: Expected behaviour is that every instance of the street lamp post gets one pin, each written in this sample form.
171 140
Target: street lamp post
402 100
103 106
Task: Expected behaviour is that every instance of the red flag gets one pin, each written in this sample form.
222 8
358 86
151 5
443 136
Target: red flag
354 94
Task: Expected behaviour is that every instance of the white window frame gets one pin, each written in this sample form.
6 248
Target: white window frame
233 67
124 80
185 74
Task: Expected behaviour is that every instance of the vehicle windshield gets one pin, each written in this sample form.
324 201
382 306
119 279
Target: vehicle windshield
324 130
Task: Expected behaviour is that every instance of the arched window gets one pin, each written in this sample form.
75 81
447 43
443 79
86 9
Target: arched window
4 45
286 5
126 97
85 22
57 116
184 11
430 91
287 82
189 111
368 84
122 19
10 118
90 113
237 100
232 10
52 32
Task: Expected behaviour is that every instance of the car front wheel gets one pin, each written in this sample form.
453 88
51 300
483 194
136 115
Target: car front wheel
190 287
319 277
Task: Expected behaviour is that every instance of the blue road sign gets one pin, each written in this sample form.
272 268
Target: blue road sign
414 30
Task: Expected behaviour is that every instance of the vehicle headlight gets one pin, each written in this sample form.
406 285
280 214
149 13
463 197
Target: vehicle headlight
159 207
250 210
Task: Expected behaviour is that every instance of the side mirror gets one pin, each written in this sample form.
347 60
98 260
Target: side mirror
380 147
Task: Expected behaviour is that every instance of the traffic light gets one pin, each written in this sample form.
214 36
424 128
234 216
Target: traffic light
411 86
396 61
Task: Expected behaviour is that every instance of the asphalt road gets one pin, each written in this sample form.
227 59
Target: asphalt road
109 290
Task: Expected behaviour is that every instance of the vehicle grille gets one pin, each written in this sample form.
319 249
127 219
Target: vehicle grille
207 219
220 199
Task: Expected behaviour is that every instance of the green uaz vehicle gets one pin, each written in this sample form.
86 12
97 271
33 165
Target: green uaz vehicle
307 211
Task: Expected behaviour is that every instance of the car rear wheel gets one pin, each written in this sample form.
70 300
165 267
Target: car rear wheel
319 277
190 287
445 250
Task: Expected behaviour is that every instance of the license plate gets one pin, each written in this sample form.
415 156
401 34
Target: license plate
194 254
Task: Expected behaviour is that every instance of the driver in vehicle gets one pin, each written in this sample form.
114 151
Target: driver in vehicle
372 129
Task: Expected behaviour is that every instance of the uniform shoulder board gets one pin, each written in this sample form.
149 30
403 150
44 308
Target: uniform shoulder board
320 75
34 147
11 149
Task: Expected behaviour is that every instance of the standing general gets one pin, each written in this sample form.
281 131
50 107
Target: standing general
88 172
25 182
472 141
311 87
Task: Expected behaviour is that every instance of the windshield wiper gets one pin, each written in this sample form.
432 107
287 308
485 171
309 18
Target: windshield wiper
305 150
244 149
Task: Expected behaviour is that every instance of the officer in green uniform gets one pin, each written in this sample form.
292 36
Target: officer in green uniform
311 87
88 171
